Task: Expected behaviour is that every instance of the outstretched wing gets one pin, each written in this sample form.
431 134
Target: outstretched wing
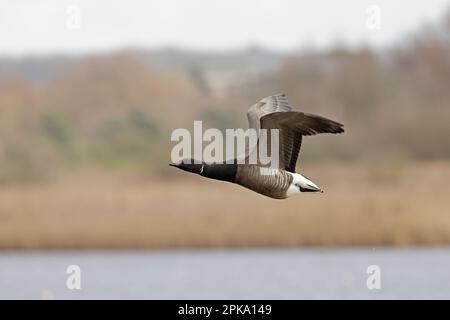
268 105
292 127
274 112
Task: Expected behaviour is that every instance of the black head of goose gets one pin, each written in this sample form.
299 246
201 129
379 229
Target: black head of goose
218 171
273 112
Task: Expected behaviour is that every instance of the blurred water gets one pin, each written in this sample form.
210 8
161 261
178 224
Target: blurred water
230 274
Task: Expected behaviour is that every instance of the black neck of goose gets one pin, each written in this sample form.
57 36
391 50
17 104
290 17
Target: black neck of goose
224 172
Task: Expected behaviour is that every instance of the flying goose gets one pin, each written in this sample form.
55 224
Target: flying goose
273 112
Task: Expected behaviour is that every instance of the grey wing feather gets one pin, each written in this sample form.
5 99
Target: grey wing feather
275 112
268 105
292 126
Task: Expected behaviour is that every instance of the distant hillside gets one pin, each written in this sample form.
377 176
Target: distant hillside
253 61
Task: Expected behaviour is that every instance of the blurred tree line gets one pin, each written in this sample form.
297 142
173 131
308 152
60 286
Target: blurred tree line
117 111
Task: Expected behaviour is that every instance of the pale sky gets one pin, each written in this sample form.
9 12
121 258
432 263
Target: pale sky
79 26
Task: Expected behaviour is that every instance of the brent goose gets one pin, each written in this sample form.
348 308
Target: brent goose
273 112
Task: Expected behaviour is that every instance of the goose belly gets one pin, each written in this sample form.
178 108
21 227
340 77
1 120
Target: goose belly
273 183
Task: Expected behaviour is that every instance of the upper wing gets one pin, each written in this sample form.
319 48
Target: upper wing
268 105
274 112
292 126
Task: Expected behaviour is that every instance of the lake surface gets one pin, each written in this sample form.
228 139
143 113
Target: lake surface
227 274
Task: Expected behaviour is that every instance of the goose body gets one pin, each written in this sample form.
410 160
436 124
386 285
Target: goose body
273 112
274 183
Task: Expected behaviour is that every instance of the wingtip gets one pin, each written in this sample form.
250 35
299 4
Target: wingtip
339 128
